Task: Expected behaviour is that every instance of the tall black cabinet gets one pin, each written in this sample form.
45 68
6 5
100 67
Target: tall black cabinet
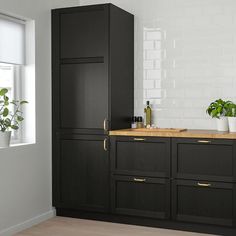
92 87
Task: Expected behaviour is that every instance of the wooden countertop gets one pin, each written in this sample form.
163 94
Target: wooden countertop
182 134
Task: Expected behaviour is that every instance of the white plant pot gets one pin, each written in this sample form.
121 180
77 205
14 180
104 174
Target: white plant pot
222 124
5 138
232 124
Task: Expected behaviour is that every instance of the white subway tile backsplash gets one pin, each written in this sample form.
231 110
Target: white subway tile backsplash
154 93
153 54
158 84
153 74
148 64
148 45
148 84
157 64
157 45
152 35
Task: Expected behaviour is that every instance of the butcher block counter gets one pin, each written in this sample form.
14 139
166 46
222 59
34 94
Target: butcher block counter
177 133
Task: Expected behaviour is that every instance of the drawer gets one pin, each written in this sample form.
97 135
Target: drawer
207 159
141 196
140 156
203 202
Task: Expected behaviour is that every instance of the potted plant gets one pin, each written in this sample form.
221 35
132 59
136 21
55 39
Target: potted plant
218 109
9 119
231 114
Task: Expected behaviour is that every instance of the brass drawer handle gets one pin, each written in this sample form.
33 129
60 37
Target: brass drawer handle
203 184
204 141
105 124
139 180
105 144
139 139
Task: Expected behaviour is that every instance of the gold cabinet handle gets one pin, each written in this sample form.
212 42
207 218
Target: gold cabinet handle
204 184
105 144
139 180
105 124
204 141
139 139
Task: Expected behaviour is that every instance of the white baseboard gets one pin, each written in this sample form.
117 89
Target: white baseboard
28 223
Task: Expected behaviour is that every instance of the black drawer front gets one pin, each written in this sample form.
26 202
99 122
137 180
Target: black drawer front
141 196
141 156
203 202
203 159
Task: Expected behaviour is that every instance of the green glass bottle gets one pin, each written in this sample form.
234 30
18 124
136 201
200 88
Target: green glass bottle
148 115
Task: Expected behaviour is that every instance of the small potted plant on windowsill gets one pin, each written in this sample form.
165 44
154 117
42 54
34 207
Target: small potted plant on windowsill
218 109
9 120
231 114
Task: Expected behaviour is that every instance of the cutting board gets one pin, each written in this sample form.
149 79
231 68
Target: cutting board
174 130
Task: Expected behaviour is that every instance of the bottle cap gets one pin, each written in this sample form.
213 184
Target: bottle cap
139 119
148 103
134 119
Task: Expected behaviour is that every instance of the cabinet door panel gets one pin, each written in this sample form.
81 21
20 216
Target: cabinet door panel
131 196
84 96
84 174
204 159
84 33
195 202
142 156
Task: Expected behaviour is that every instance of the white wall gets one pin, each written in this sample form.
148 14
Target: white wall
185 57
25 171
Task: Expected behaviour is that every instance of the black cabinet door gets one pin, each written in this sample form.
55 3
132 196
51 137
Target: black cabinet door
203 202
140 156
141 196
84 32
208 159
84 96
83 173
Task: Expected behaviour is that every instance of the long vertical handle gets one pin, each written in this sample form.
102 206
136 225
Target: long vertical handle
105 145
105 124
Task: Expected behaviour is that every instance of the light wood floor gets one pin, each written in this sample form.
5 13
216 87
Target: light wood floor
60 226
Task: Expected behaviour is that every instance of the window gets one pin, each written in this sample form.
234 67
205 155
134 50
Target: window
12 60
10 78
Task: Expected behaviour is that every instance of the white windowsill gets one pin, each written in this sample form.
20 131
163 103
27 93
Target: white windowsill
17 145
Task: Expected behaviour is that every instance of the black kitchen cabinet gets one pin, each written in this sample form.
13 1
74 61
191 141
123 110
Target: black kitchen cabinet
204 159
154 181
84 177
92 93
140 156
141 196
204 202
92 68
137 165
203 186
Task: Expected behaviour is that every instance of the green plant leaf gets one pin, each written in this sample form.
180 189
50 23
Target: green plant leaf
8 122
20 118
23 102
3 91
6 98
5 112
15 127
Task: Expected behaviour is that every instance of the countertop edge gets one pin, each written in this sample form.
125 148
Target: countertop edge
209 134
